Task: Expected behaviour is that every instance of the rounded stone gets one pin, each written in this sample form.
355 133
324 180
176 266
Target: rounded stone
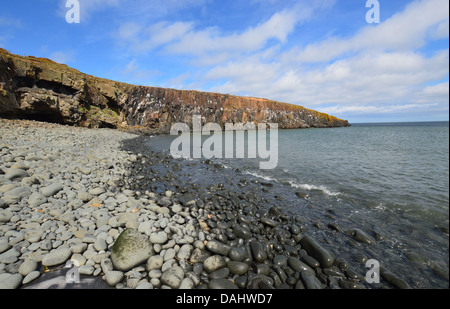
159 238
56 257
113 277
130 249
237 268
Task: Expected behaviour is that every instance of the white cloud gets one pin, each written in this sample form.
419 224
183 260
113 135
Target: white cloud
379 69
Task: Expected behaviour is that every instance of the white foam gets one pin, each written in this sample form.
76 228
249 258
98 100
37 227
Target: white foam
310 187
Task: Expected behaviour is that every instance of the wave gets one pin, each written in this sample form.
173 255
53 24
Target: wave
310 187
293 184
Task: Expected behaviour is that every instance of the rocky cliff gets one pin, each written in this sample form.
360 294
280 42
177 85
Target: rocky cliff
40 89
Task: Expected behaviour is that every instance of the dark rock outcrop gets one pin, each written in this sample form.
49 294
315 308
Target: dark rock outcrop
40 89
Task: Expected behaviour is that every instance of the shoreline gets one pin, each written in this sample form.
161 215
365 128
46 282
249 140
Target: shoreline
82 188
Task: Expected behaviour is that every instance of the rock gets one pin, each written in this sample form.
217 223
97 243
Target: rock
325 257
130 249
16 174
301 195
97 191
241 232
5 215
31 277
36 199
187 284
237 268
4 245
185 252
84 196
154 262
298 265
15 195
394 280
159 237
217 247
100 244
56 257
187 199
113 277
361 236
27 267
310 281
280 261
214 263
52 189
238 254
258 251
9 281
268 222
173 277
199 256
222 284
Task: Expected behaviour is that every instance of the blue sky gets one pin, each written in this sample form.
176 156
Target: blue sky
321 54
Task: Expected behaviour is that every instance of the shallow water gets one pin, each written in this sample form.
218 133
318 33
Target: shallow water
390 180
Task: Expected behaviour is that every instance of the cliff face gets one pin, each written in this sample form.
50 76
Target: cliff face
40 89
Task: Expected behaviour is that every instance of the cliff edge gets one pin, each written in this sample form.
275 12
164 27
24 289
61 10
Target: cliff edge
41 89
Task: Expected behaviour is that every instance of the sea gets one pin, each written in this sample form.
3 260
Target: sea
391 180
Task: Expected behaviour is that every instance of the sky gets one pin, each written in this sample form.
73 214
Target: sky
321 54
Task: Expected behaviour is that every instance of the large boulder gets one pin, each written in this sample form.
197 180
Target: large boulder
130 250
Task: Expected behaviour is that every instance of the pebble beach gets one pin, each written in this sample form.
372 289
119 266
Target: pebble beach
85 196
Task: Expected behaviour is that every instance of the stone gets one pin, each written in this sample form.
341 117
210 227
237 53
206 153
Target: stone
258 251
280 261
97 191
9 257
237 268
31 277
217 247
241 232
361 236
84 196
159 237
325 257
5 215
173 277
187 284
298 265
187 199
237 254
310 281
100 244
154 262
214 263
27 267
113 277
185 252
56 257
51 189
36 199
9 281
222 284
130 249
16 174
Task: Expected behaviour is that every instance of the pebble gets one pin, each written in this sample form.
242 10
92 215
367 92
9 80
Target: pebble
114 277
9 281
51 189
56 257
173 277
214 263
325 257
130 249
70 198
